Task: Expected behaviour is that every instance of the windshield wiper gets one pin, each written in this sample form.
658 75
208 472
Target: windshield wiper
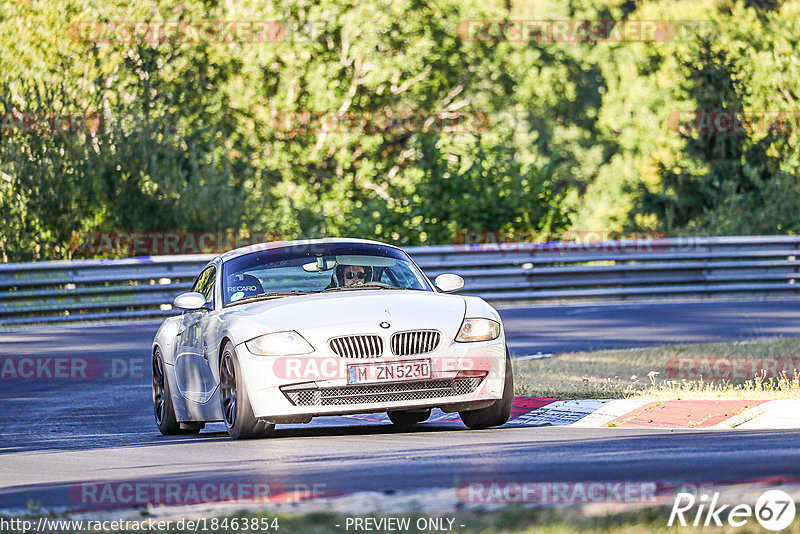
269 295
337 288
357 287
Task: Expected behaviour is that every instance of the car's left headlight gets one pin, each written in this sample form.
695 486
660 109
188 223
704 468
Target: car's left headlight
478 330
279 344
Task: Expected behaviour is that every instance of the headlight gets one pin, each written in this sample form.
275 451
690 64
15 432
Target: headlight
279 344
478 330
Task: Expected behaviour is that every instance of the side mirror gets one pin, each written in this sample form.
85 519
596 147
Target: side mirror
190 301
448 282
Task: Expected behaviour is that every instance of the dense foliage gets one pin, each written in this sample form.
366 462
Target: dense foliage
200 135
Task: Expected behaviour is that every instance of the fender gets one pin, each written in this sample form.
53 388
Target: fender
477 307
166 338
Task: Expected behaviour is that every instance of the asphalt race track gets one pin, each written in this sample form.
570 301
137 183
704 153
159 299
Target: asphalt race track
59 433
555 329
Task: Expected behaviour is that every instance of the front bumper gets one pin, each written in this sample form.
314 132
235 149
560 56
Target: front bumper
295 389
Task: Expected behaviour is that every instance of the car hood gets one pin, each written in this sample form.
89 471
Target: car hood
319 317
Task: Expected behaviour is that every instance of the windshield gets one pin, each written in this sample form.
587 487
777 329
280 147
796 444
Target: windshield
319 267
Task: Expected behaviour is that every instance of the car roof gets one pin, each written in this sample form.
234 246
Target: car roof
226 256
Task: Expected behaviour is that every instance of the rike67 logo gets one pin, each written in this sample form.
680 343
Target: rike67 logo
774 510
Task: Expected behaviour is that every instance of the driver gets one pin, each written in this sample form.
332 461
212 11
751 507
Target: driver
352 275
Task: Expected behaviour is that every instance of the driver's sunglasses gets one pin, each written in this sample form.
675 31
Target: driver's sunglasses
352 275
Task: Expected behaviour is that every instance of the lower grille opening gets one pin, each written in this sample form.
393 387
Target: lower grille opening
373 393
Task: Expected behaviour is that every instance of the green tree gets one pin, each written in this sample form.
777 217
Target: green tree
474 186
719 164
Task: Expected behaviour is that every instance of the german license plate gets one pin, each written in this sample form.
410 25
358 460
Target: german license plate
388 372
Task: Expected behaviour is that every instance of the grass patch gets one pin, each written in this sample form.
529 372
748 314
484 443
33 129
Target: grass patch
753 370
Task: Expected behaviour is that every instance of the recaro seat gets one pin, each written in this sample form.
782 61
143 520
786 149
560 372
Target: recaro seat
244 283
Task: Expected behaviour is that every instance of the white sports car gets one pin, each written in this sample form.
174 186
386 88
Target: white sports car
283 332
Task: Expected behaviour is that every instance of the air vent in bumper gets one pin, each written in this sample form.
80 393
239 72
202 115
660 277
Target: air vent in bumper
379 393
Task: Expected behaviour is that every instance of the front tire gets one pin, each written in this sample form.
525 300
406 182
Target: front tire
498 413
405 419
236 410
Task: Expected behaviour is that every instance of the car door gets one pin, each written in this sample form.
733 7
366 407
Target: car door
195 380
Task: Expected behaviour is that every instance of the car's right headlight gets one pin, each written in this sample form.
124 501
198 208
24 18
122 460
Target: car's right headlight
478 330
279 344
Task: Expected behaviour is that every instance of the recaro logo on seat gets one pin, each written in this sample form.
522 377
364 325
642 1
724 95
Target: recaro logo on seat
236 289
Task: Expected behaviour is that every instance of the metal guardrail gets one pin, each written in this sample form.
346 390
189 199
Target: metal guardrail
63 291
